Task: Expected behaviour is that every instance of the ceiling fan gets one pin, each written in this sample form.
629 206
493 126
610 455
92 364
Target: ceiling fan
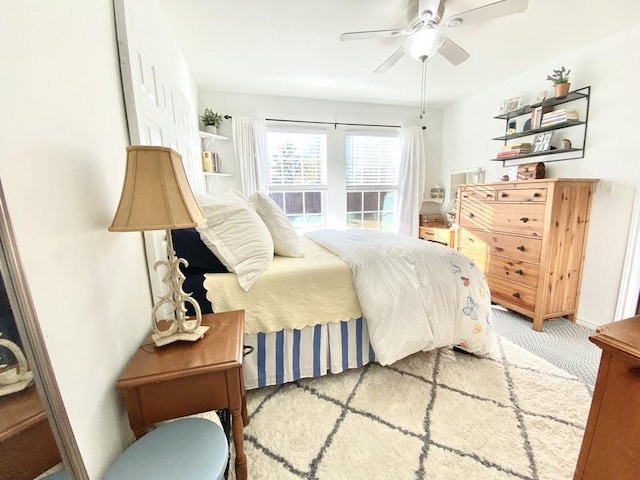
424 35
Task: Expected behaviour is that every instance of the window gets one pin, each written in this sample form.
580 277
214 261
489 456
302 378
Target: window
298 176
372 162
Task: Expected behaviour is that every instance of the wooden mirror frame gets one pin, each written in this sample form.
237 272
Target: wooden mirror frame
34 347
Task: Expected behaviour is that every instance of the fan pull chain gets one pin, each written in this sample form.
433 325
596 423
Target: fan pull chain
423 96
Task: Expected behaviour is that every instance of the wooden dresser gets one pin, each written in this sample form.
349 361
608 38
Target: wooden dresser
611 444
529 238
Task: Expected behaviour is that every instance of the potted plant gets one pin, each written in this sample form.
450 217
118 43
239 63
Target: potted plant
211 120
560 80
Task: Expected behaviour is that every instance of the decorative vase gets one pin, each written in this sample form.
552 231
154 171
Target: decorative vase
211 129
562 89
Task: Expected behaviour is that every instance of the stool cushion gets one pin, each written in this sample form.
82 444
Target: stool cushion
188 449
59 475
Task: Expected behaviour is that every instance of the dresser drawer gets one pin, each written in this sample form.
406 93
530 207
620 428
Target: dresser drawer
525 249
522 195
510 269
521 219
513 293
484 193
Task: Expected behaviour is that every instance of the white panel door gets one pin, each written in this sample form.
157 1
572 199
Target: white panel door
158 113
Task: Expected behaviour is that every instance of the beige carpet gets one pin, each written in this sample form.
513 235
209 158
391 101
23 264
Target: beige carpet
436 415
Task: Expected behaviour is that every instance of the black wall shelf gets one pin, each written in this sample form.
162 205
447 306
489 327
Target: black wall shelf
555 154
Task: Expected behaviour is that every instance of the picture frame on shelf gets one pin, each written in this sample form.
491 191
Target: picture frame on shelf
511 104
542 142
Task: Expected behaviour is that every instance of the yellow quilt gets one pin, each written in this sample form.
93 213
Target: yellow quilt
293 293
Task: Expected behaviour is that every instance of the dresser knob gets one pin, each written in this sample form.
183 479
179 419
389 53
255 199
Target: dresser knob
489 195
520 247
471 215
517 295
504 195
537 194
524 219
519 272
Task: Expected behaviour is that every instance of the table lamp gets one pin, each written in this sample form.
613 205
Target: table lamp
156 196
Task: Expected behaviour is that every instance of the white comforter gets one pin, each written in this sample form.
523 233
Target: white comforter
416 295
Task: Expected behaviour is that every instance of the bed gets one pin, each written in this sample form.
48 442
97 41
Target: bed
342 300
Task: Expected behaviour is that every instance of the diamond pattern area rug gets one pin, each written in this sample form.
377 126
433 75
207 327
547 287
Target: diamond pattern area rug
434 415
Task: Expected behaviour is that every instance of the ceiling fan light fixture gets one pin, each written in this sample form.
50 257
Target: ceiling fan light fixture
424 43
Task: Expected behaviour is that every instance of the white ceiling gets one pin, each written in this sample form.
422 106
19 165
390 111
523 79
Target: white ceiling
292 47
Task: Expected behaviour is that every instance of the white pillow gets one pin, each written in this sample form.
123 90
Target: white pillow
285 238
235 233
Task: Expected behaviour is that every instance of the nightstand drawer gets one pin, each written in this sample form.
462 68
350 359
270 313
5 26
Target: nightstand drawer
520 248
440 235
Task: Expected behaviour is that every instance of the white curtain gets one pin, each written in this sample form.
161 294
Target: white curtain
249 142
411 181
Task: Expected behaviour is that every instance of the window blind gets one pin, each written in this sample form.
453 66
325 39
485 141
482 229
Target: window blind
372 160
297 158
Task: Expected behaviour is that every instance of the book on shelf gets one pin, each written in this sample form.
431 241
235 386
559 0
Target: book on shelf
217 163
514 150
510 153
537 113
558 116
207 161
211 162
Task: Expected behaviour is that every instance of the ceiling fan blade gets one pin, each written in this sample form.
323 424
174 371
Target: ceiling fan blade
391 61
453 52
372 34
487 12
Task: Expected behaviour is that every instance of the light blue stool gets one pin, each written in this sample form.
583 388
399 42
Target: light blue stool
59 475
185 449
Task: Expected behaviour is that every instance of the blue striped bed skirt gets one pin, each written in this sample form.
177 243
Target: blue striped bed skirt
290 355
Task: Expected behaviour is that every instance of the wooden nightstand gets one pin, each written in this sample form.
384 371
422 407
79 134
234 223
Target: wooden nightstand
25 429
185 378
438 234
611 444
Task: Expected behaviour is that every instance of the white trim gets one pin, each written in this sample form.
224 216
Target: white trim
586 324
630 281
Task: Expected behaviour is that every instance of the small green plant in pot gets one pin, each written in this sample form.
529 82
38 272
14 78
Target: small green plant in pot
560 80
211 120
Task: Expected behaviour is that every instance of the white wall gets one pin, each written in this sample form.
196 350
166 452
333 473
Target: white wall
62 165
613 72
290 108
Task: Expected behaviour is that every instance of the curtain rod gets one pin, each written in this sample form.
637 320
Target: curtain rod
335 124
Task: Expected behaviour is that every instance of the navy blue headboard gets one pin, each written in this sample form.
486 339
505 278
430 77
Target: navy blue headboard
188 245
